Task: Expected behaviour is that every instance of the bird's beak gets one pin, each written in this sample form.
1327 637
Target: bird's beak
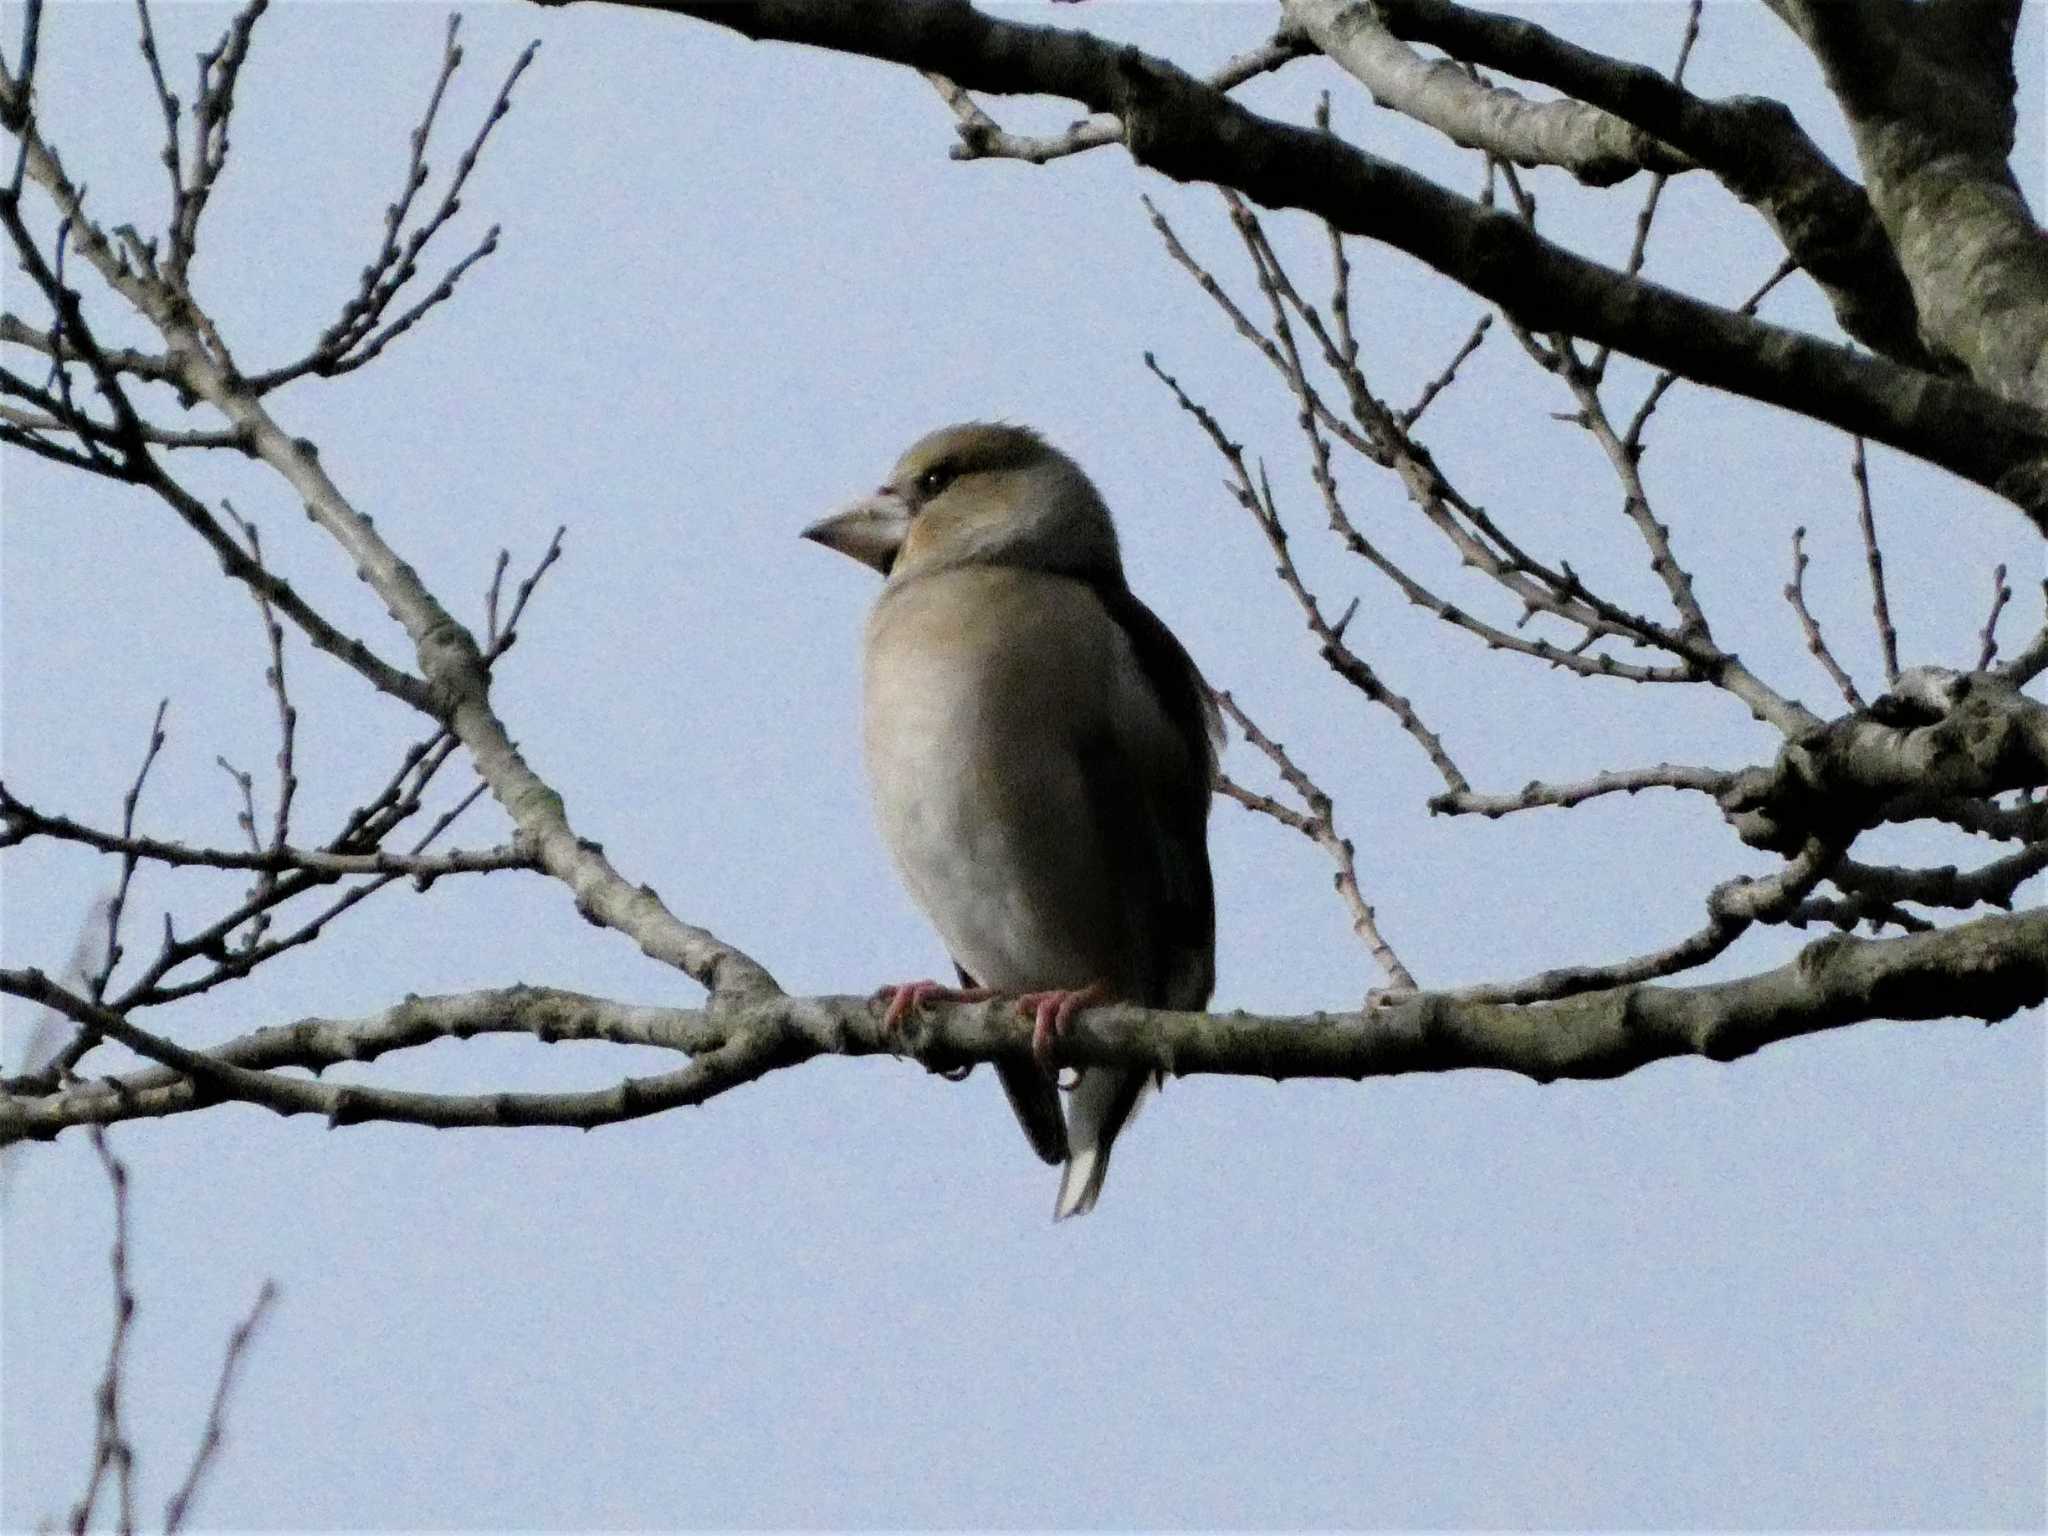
871 531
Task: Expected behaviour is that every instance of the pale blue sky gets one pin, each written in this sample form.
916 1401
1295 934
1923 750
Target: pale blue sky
1804 1289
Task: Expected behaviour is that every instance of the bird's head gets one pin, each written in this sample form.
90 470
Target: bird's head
978 494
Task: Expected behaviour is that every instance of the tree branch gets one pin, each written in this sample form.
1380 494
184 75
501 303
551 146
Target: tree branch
1597 147
21 822
1189 131
1938 739
1751 144
1991 968
1929 94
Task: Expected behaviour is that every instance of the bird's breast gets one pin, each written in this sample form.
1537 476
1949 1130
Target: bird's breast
977 689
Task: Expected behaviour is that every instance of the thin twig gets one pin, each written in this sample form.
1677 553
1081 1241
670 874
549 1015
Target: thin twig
1732 908
1633 437
1477 538
1257 499
491 598
1626 781
2027 663
1646 215
111 1451
245 818
982 137
2001 594
168 104
1443 381
96 985
355 337
1873 556
1319 825
212 107
1795 594
1946 886
501 640
287 727
1340 275
216 1414
20 822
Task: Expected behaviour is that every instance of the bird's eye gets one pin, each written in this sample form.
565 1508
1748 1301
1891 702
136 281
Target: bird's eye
935 480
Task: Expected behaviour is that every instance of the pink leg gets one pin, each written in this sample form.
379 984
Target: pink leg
907 995
1051 1013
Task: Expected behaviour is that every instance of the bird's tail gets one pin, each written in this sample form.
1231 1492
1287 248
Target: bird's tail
1037 1104
1101 1105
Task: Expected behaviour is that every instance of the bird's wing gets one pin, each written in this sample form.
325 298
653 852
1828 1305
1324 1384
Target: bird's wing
1149 779
1148 772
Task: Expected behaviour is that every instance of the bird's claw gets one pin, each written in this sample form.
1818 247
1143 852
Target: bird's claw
906 996
1052 1014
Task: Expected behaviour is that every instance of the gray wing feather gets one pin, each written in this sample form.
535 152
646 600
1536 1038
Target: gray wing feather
1153 823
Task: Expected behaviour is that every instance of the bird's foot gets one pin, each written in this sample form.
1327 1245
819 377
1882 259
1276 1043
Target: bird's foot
905 996
1052 1013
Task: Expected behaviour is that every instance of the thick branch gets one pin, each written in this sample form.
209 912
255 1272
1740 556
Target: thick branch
1189 131
1752 144
1940 739
1989 968
1595 146
1929 94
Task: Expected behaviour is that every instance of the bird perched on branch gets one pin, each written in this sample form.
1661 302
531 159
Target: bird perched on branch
1041 750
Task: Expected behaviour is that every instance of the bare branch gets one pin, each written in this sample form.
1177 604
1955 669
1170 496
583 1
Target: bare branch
1478 540
212 107
1633 437
1595 146
1184 128
1319 826
1627 781
1795 594
982 137
101 434
1993 883
1341 658
1656 536
2026 664
1340 280
216 1413
231 965
1937 741
498 641
1847 913
1887 637
111 1450
1929 93
548 1014
1653 197
1444 380
1752 144
168 104
370 348
2001 594
19 823
1990 968
745 1055
1732 908
356 338
96 984
287 730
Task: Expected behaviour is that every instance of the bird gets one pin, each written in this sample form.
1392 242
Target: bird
1041 751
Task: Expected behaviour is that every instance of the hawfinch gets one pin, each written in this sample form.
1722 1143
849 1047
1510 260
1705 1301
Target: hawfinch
1040 750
